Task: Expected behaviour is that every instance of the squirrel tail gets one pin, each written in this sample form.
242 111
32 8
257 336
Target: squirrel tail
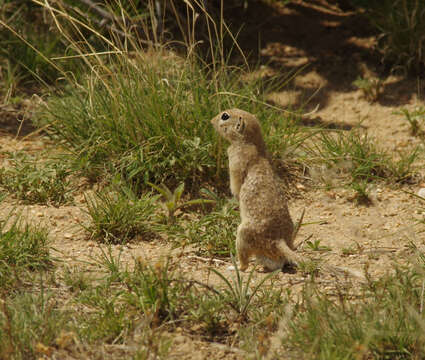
295 259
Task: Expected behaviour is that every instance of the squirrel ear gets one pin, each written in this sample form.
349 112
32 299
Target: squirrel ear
240 125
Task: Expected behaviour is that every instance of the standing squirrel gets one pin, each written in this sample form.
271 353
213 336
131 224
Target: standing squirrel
266 229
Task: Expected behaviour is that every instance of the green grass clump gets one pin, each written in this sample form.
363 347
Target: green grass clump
117 216
36 182
356 160
149 119
23 248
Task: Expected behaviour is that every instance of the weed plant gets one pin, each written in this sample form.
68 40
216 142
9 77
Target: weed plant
172 201
371 87
238 291
415 118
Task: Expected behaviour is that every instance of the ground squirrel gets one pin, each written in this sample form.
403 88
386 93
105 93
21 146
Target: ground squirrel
266 229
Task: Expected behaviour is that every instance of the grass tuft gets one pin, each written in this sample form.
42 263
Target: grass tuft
23 248
118 216
36 182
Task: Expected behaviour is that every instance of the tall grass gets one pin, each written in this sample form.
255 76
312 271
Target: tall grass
24 50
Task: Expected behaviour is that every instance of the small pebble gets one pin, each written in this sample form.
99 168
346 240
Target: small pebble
421 193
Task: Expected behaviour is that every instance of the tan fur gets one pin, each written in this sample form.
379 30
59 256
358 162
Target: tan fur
266 227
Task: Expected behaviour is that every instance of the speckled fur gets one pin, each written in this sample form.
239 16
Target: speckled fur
266 227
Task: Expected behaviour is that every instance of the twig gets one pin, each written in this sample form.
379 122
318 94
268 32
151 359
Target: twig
207 260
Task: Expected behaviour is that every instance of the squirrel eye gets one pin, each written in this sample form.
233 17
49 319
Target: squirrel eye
225 116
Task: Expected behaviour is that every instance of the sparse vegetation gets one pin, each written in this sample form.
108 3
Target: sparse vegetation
212 233
400 24
172 201
315 246
130 112
381 320
354 159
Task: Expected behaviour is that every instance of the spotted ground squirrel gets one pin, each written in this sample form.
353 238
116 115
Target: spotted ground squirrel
266 227
266 230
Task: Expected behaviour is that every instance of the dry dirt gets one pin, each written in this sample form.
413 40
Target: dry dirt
335 47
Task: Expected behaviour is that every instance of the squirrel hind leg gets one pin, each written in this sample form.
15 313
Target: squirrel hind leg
243 248
268 264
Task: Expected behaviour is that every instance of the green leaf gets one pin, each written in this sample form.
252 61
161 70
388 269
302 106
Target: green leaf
178 193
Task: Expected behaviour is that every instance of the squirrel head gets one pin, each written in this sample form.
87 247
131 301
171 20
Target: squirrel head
238 126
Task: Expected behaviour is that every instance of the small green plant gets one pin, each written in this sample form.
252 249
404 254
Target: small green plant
154 290
240 293
108 319
315 245
172 200
370 86
415 118
361 192
351 250
117 216
309 267
36 182
76 279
